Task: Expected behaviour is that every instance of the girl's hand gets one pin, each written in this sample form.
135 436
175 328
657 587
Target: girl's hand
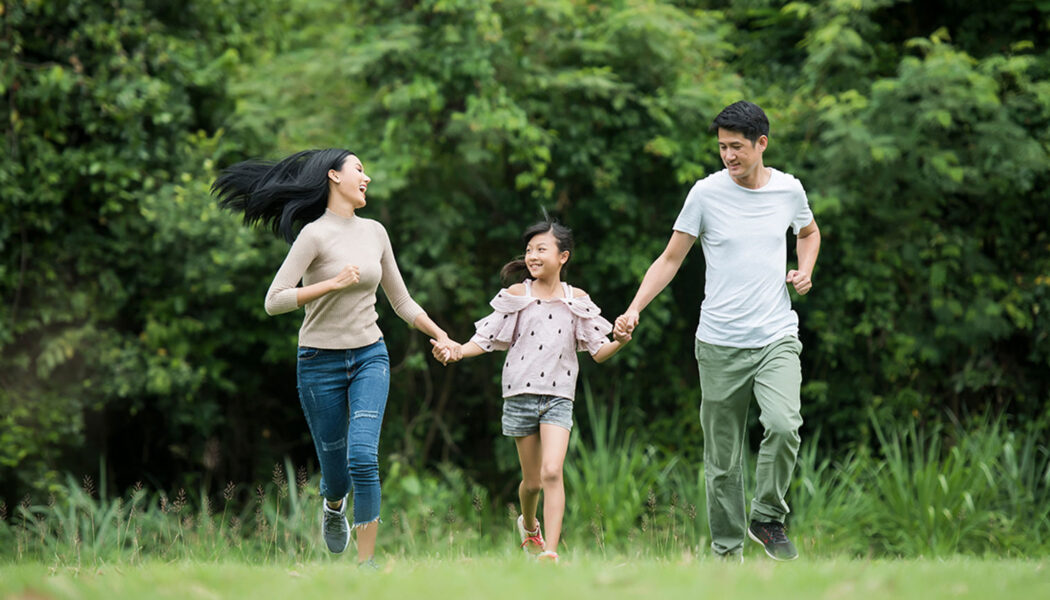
621 336
626 323
446 352
346 278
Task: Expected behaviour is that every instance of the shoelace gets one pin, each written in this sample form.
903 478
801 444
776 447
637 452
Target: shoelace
535 539
777 533
333 521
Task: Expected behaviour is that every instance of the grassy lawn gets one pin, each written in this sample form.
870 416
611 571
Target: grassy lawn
577 579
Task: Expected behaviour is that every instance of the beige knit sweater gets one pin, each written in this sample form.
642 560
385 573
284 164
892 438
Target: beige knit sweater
344 318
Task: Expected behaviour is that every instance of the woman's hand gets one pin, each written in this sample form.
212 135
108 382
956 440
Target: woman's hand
346 278
621 336
447 351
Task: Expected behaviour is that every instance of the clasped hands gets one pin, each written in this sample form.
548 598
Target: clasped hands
446 351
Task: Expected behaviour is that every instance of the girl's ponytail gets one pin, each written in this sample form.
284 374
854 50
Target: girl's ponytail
511 272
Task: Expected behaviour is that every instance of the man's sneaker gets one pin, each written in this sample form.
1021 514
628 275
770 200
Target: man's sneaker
773 539
334 527
369 566
731 557
531 541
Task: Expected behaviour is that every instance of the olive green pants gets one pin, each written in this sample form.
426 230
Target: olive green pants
729 378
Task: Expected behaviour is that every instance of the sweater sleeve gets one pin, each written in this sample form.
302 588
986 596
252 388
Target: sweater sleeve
282 297
394 285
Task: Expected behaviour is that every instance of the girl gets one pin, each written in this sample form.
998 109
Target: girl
343 369
541 322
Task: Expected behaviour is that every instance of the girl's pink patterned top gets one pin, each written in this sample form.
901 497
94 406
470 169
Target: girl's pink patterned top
541 338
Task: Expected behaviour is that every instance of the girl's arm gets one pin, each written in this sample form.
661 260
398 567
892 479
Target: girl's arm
607 350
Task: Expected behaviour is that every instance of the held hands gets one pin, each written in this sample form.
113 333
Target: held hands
347 277
801 281
625 325
446 351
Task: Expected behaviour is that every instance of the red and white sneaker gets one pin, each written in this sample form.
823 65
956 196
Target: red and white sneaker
531 541
547 557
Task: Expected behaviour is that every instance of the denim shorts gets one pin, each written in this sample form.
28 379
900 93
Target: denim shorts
522 414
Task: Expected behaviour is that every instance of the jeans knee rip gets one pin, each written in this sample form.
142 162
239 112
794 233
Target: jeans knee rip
337 444
366 414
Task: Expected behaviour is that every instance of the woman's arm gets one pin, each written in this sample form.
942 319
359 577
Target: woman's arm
427 325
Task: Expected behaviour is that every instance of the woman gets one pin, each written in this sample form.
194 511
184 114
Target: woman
343 368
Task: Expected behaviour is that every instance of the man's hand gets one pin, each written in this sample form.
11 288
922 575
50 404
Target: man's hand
625 324
801 281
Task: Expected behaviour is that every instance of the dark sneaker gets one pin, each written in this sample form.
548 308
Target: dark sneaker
368 566
334 527
773 539
736 558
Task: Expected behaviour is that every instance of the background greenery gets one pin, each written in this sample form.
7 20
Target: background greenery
134 346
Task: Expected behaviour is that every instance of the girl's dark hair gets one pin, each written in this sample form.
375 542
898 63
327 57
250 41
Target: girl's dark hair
280 194
512 271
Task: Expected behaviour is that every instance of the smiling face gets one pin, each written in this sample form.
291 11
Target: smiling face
543 258
349 184
741 156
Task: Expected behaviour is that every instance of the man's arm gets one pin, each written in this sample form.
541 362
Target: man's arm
807 247
660 273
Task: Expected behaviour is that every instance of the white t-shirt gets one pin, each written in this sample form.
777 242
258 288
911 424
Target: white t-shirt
743 236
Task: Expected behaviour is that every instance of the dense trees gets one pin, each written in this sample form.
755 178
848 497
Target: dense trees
133 332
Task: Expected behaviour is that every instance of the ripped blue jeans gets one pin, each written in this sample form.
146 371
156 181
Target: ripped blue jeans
343 394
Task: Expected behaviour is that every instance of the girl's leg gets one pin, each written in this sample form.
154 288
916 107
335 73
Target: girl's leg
369 386
529 489
554 443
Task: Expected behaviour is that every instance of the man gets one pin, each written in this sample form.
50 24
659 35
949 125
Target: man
747 340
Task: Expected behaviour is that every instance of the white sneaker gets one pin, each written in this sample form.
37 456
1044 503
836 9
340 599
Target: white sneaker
531 541
547 557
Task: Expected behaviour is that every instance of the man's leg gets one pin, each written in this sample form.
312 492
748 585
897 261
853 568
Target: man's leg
777 383
725 385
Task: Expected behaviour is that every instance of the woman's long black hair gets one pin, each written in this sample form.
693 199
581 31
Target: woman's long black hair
512 271
280 194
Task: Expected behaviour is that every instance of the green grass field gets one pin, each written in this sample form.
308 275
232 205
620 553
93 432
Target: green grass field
578 578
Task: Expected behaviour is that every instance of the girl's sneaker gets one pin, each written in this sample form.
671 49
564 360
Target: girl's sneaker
547 557
531 541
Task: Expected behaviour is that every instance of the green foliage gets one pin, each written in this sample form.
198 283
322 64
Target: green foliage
132 326
113 258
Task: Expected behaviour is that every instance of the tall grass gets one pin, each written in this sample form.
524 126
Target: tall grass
983 489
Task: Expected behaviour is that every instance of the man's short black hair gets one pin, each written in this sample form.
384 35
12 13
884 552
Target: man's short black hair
745 118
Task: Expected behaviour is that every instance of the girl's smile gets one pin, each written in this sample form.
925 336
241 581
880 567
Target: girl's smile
542 258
